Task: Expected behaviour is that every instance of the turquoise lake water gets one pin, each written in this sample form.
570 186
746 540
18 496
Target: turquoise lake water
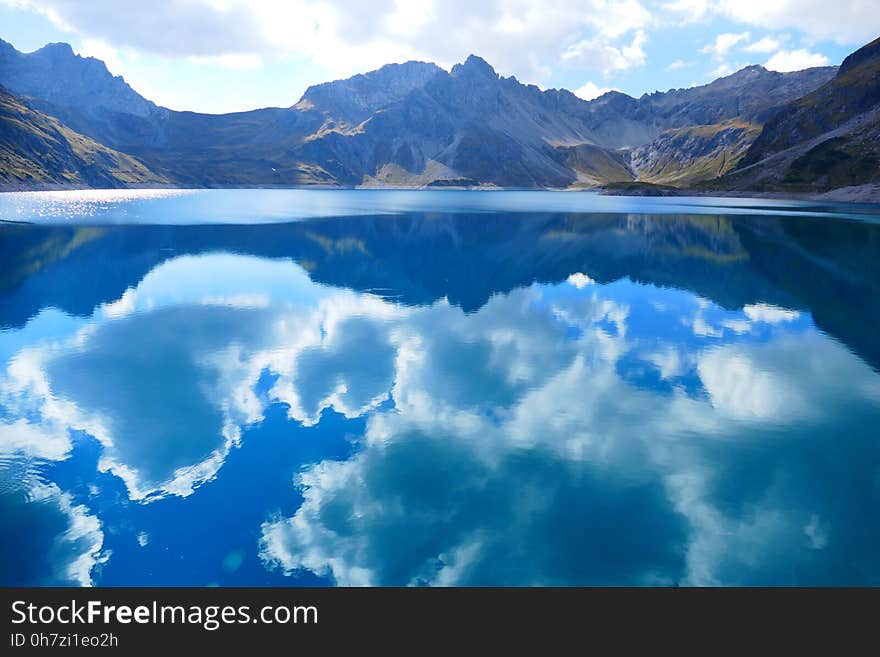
267 387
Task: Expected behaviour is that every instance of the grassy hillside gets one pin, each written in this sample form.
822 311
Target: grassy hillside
596 166
685 156
854 90
839 162
826 140
36 150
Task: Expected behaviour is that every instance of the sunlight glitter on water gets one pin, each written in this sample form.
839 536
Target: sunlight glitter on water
63 204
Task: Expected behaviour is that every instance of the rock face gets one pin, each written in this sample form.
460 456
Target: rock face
683 156
752 94
354 100
824 140
36 150
58 77
469 126
415 124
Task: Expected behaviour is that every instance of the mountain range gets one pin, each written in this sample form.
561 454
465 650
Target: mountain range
65 120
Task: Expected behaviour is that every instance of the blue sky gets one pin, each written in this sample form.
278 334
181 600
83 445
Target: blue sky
228 55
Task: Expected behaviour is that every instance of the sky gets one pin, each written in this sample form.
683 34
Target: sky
231 55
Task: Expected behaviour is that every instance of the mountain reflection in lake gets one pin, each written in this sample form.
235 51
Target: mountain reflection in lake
439 399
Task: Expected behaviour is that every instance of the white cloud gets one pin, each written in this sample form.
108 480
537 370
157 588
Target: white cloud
438 490
76 536
166 27
454 441
852 22
515 424
326 39
344 37
845 21
739 326
723 44
722 70
579 279
82 542
770 314
741 386
795 60
23 438
765 45
410 16
241 315
238 62
688 11
602 55
590 90
669 362
703 329
615 18
677 64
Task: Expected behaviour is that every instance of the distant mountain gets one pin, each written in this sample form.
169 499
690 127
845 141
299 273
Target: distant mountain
36 150
468 126
352 101
752 94
471 126
415 124
58 77
829 138
713 126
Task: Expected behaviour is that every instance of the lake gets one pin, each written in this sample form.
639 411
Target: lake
282 387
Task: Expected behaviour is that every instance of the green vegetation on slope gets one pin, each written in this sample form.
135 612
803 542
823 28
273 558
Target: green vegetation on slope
37 150
837 162
594 165
853 91
685 156
826 140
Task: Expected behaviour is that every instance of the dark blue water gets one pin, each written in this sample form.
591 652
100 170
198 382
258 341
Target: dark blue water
405 388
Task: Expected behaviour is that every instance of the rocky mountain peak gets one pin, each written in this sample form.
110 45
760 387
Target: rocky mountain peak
355 98
56 75
58 49
864 54
474 66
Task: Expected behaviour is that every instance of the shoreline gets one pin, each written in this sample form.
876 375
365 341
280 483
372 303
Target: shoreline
861 194
868 194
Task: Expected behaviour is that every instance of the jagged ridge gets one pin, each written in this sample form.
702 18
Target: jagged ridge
415 124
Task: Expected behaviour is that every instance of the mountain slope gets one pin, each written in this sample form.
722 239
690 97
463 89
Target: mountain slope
81 93
752 94
471 126
511 134
827 139
683 156
415 124
504 133
715 125
355 99
57 76
37 150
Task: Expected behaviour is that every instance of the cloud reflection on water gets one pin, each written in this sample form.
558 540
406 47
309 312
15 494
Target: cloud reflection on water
523 443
